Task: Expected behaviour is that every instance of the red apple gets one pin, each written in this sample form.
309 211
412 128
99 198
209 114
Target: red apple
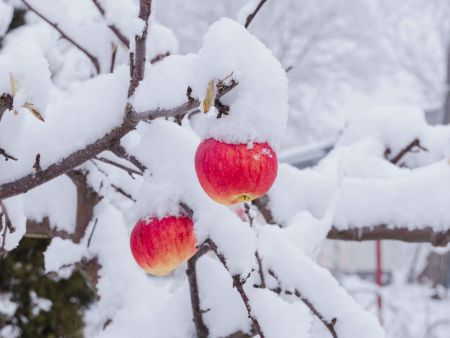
159 246
233 173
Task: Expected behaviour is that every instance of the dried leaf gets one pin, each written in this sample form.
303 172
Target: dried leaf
34 111
208 101
13 83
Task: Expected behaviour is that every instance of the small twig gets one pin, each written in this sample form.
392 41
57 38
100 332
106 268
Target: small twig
2 247
65 36
328 324
37 164
252 15
92 232
6 155
120 151
113 27
8 222
122 192
258 257
396 159
113 57
159 57
238 284
200 327
130 171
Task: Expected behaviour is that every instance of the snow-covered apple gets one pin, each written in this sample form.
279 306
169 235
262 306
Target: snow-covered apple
234 173
160 245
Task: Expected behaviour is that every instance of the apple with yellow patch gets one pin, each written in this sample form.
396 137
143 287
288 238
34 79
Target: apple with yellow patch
235 173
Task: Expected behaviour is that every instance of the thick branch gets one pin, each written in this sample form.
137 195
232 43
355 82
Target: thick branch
379 232
252 15
65 36
113 27
87 198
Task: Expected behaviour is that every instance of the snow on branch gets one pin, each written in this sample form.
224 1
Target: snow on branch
90 56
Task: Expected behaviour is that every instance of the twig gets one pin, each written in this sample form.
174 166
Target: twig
396 159
92 232
252 15
159 57
258 257
138 66
8 222
237 283
65 36
122 192
118 150
328 324
113 27
200 327
130 171
113 57
6 155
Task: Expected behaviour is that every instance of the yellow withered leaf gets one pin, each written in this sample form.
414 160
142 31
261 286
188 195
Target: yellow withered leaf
209 99
34 111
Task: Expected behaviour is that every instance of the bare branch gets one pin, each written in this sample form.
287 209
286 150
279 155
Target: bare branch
409 148
122 38
65 36
252 15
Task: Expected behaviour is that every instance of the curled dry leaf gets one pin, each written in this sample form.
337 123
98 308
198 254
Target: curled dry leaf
209 99
34 111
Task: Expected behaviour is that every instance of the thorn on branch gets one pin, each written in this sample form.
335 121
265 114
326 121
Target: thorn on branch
37 164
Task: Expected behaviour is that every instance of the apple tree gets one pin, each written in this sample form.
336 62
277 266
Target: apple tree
129 155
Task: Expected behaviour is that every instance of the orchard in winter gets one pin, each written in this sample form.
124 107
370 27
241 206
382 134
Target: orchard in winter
192 168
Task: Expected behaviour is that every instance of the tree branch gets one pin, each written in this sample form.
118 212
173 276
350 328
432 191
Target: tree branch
252 15
238 284
6 103
122 38
130 171
197 312
378 232
65 36
138 65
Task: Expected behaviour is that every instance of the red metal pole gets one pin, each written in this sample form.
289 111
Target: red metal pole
379 279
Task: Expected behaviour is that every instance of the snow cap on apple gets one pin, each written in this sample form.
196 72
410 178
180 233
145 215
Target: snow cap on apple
237 162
